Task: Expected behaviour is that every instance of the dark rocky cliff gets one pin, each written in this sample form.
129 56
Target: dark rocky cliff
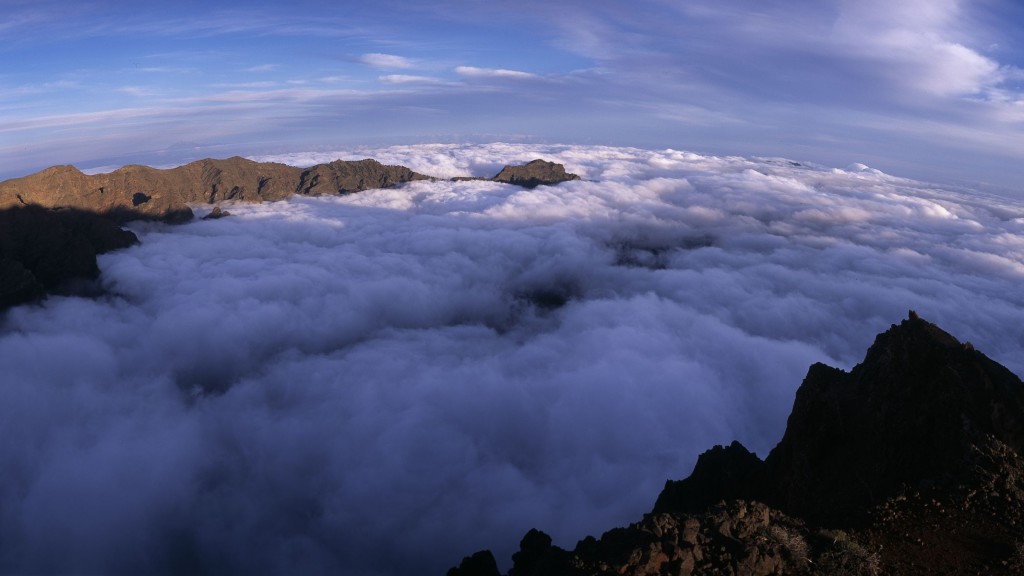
44 251
908 464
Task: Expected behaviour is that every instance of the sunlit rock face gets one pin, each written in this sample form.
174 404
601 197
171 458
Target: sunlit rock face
534 173
135 192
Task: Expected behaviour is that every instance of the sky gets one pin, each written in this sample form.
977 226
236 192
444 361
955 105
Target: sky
385 382
929 89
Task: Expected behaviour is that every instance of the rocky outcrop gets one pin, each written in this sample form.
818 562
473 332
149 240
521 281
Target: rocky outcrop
480 564
344 177
44 251
721 473
908 464
534 173
134 192
217 214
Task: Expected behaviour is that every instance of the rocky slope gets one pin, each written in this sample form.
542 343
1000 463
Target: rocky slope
908 464
134 192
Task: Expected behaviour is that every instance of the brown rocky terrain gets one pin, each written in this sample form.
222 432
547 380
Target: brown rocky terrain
134 192
142 192
534 173
908 464
530 175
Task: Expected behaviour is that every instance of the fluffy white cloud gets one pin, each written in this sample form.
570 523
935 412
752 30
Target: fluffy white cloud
387 381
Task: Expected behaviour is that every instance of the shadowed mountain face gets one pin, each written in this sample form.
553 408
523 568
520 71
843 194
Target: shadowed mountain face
134 192
911 413
43 251
908 464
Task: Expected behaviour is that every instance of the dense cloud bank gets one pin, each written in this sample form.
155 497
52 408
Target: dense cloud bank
381 382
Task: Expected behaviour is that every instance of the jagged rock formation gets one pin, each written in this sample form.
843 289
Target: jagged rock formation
908 464
134 192
43 251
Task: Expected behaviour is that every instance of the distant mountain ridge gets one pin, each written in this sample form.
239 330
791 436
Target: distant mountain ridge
908 464
53 223
135 191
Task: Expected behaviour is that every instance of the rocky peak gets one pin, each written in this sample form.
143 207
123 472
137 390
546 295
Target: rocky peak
534 173
720 473
907 414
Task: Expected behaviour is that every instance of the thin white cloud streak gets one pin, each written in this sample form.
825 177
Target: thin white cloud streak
474 72
263 68
392 397
410 79
386 61
221 102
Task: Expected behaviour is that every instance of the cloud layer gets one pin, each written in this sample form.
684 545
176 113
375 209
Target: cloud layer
385 382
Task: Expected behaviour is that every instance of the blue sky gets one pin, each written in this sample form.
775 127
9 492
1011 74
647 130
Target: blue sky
930 89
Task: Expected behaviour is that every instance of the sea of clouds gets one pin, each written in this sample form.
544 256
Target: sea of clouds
385 382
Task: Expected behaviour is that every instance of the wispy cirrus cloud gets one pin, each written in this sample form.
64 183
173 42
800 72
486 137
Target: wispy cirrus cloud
917 44
139 91
386 61
475 72
410 79
263 68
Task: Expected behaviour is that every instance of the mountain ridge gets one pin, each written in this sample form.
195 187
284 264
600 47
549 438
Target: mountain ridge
140 192
61 211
